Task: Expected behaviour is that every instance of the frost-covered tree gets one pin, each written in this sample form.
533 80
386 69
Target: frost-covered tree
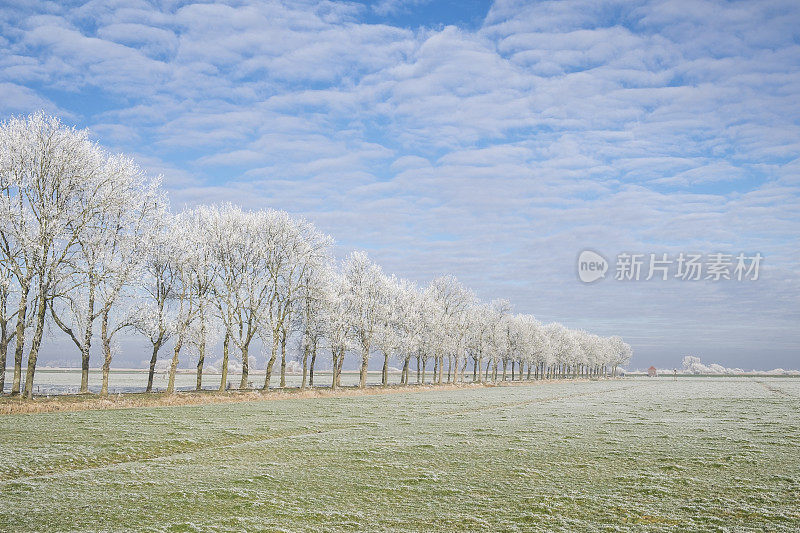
366 303
451 301
186 260
306 250
46 171
204 330
410 324
57 192
620 353
241 284
279 243
150 315
561 345
515 341
388 333
498 337
478 337
314 293
338 333
430 333
537 346
110 250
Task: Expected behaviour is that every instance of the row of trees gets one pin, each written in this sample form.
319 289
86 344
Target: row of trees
90 247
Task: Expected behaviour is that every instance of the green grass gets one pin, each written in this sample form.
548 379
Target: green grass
638 454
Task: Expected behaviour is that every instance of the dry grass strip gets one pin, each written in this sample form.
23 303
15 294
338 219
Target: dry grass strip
84 402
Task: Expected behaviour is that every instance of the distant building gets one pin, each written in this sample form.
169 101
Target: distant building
652 372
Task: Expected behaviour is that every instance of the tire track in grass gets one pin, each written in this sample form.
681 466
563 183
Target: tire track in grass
776 390
233 443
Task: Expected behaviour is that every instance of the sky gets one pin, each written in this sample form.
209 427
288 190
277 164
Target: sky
490 140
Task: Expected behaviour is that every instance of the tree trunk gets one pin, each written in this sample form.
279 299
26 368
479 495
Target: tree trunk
283 358
362 381
245 366
338 360
339 366
174 366
311 368
305 367
272 357
334 364
3 354
106 354
33 354
153 359
225 352
418 371
19 340
385 373
201 348
87 342
404 375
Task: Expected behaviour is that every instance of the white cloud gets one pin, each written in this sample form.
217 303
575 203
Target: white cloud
495 154
18 99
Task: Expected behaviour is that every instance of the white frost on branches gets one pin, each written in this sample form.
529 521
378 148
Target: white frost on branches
87 243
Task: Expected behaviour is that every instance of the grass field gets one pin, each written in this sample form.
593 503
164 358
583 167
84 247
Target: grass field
640 454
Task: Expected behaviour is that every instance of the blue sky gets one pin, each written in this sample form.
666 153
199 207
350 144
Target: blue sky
491 140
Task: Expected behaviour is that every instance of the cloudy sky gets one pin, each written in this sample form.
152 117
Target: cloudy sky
494 141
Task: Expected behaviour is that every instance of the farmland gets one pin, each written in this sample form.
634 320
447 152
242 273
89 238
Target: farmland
647 454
